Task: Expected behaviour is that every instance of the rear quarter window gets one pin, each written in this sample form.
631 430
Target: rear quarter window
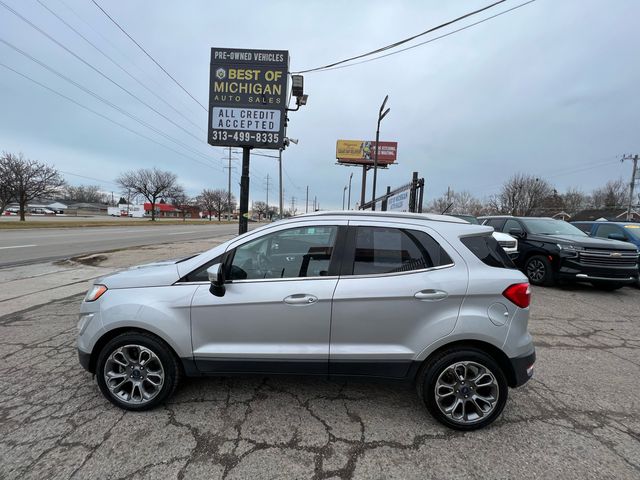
486 248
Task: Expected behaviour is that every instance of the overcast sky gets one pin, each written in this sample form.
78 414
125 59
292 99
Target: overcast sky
549 89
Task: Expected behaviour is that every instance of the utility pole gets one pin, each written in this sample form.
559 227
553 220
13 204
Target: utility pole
632 184
229 191
315 201
281 194
344 190
293 205
306 204
267 193
349 200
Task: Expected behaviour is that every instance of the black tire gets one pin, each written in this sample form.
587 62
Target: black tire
539 271
608 286
439 365
163 355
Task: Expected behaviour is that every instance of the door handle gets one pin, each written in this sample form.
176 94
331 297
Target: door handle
431 295
300 299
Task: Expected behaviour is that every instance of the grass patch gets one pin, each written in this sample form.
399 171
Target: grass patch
11 225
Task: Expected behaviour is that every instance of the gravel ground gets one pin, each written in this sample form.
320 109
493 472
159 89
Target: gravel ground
578 418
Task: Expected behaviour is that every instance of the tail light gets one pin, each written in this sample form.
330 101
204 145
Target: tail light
518 294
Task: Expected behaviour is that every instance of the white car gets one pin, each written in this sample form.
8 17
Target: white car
508 243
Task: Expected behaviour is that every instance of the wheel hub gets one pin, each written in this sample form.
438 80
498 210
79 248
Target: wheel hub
134 374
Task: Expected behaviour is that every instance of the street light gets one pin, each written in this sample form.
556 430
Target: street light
344 190
349 200
381 115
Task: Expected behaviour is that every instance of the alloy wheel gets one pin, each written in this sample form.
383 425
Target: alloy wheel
134 374
466 392
536 270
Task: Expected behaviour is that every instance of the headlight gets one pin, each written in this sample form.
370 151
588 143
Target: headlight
569 247
95 293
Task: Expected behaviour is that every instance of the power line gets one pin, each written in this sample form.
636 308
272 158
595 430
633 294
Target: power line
151 79
430 40
102 74
147 54
103 116
89 178
104 100
400 42
118 65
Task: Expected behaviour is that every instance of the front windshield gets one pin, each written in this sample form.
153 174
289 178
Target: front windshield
549 226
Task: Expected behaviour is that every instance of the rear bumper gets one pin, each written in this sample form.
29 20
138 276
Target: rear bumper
522 368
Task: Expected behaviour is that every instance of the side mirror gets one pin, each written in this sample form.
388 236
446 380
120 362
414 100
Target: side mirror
516 232
617 236
215 273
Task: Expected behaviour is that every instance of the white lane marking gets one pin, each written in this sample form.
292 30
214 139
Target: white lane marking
18 246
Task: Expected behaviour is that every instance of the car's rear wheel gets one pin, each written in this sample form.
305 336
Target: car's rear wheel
137 371
463 389
539 271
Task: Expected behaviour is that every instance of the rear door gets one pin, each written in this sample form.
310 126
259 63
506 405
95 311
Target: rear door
400 289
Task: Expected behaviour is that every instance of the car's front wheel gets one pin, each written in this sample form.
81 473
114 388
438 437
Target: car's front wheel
137 371
464 389
539 271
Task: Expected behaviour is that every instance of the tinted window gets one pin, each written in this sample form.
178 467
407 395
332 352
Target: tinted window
486 248
390 250
292 253
496 223
585 227
511 225
604 230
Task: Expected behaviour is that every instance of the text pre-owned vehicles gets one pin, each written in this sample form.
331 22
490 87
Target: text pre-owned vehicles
422 298
552 250
508 243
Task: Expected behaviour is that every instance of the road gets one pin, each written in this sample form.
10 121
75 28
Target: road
18 247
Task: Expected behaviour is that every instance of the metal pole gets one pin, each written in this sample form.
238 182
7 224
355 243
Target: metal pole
280 179
267 194
244 191
344 190
364 185
229 191
306 204
375 167
349 200
632 184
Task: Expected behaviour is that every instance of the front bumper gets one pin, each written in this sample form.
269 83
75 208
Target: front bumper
572 269
522 369
85 360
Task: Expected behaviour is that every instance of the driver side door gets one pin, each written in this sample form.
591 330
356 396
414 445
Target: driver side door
276 311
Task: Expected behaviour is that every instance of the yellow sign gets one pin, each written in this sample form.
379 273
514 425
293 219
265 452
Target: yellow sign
363 152
351 149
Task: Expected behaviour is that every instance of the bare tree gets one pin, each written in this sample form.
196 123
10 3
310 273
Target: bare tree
574 200
613 194
7 183
207 201
85 193
179 199
261 208
30 179
457 203
150 183
522 195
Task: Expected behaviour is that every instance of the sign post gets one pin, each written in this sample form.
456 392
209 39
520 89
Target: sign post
247 106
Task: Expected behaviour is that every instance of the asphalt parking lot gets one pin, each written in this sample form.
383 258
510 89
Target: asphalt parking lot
578 418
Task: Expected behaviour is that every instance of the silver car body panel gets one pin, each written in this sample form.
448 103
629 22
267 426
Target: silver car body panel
351 318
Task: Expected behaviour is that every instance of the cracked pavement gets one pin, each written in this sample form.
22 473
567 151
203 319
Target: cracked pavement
578 417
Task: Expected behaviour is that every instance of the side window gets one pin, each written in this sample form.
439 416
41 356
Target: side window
200 273
511 225
389 250
293 253
486 248
585 227
496 223
604 230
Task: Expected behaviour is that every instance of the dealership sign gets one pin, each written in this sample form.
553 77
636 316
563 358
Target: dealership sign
399 202
362 152
248 97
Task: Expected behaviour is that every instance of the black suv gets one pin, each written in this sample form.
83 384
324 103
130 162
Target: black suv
550 250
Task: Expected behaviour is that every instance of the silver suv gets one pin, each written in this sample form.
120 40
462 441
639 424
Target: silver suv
427 299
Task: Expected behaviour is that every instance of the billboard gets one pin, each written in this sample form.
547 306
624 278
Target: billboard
248 97
362 152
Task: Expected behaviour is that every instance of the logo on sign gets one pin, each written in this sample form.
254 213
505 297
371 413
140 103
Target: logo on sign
221 73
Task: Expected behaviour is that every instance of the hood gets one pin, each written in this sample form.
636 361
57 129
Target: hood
158 274
586 242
